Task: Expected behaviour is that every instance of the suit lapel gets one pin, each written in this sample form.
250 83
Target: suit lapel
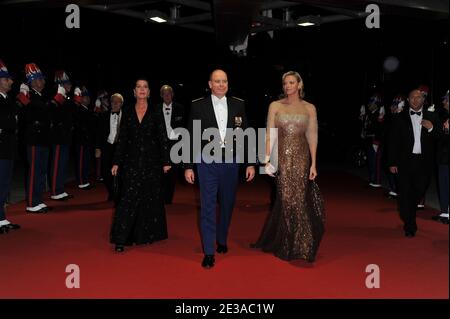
209 112
426 116
173 114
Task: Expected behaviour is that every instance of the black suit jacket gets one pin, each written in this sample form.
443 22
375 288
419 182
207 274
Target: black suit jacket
401 139
202 109
103 129
178 117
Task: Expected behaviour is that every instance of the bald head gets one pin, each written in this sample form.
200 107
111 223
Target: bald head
218 83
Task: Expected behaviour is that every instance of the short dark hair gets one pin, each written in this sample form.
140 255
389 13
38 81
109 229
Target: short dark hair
142 79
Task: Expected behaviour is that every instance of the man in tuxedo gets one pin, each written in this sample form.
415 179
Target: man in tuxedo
412 141
217 179
106 140
174 117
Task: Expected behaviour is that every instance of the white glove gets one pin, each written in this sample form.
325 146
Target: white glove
24 89
270 169
61 90
382 112
77 91
98 103
375 147
362 112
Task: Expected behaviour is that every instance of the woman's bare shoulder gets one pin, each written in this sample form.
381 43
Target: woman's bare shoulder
275 105
309 107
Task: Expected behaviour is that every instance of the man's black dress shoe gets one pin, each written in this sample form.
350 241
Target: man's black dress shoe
208 261
222 249
3 230
119 249
410 234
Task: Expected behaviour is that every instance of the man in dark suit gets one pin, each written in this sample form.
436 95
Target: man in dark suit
8 144
174 117
106 140
84 136
412 143
217 179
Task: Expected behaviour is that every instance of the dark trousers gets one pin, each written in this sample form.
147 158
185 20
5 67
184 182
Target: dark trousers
107 159
393 182
6 173
98 168
414 178
60 158
37 173
443 188
82 163
374 164
169 184
217 180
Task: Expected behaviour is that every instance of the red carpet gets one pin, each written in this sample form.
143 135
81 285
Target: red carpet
362 228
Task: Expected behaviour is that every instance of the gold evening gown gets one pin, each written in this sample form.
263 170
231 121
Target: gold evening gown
295 226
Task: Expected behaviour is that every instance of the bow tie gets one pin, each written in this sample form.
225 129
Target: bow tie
415 113
115 113
167 109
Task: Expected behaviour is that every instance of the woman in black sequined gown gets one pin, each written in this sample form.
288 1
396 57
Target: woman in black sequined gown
141 159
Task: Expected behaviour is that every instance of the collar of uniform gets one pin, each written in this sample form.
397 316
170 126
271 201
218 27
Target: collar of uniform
4 95
217 101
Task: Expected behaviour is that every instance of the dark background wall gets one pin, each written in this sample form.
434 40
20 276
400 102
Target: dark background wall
341 63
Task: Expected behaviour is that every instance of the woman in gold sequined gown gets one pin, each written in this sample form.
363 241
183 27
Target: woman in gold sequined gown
294 227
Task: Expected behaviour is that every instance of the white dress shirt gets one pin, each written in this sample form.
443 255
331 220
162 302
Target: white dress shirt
114 124
416 121
167 110
221 112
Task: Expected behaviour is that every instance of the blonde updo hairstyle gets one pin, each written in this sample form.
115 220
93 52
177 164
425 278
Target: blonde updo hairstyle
301 90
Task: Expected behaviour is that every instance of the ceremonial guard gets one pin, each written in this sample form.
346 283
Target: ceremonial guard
372 117
84 137
37 121
8 144
63 109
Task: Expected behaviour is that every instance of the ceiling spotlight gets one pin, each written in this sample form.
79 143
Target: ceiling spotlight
158 19
306 24
156 16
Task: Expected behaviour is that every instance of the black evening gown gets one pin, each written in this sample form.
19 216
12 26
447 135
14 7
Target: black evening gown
141 153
